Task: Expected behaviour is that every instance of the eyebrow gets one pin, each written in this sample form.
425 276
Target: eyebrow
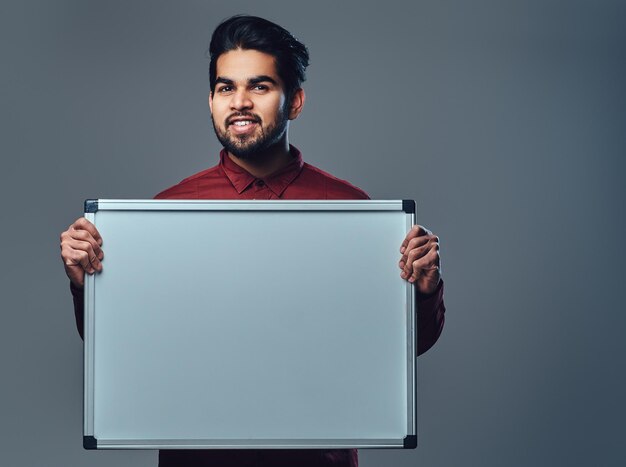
224 81
251 81
261 79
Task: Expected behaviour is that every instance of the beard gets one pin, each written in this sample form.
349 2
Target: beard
247 147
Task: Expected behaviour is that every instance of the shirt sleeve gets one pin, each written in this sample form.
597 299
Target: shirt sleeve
430 318
78 295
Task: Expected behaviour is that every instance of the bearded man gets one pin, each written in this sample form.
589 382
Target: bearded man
256 71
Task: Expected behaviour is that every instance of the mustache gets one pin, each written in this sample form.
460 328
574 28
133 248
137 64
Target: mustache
247 115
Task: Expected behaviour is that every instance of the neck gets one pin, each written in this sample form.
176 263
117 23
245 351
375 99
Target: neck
265 162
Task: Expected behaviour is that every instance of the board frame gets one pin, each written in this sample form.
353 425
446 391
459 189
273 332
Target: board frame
91 440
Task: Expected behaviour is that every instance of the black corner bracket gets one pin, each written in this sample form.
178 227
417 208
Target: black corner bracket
91 205
89 442
410 442
408 206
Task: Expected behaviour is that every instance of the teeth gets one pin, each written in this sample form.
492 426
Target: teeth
242 123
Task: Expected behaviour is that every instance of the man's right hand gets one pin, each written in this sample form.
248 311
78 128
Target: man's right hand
81 251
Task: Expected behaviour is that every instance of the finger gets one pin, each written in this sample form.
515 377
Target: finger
429 262
414 255
418 242
85 236
84 224
416 231
73 258
81 253
421 240
85 259
76 239
416 248
409 267
421 261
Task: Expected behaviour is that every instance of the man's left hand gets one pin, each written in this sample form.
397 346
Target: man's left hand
420 259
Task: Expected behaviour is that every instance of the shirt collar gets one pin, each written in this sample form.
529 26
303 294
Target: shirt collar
277 182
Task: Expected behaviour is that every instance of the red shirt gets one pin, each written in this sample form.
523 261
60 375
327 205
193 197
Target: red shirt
298 180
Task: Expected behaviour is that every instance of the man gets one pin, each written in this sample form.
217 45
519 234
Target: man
256 72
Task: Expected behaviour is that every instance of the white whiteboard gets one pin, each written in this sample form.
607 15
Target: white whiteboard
250 324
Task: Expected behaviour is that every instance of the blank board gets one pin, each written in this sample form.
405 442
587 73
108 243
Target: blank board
250 324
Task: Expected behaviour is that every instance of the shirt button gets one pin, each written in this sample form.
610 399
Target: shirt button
259 183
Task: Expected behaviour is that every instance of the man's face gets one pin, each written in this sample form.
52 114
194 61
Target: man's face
248 105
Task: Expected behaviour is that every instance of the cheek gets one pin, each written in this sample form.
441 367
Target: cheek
218 113
273 109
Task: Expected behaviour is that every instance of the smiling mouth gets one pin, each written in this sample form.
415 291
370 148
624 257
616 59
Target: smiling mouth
242 120
242 127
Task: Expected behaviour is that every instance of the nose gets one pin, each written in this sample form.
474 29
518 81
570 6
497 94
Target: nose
241 100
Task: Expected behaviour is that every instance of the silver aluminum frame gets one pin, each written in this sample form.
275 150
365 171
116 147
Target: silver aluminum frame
253 205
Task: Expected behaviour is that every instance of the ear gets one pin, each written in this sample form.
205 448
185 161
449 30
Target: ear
296 104
211 101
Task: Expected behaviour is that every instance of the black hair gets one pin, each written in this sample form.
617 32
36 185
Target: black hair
254 33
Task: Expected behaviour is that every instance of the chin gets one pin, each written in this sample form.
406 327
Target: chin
244 152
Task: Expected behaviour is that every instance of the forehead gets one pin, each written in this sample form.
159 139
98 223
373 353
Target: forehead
241 65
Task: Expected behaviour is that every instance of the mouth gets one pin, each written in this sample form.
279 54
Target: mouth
242 125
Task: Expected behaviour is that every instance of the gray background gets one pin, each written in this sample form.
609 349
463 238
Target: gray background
503 119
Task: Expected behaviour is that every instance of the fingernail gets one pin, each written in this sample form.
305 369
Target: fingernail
402 250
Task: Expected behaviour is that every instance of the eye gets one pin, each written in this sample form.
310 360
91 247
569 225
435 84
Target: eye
224 89
260 87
